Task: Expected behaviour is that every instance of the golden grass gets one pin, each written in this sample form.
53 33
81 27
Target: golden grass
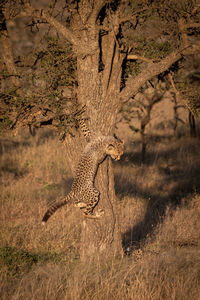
159 206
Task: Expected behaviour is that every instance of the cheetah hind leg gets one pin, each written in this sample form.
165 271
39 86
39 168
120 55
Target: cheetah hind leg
91 203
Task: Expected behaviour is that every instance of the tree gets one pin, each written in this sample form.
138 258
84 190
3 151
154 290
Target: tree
190 100
101 38
141 109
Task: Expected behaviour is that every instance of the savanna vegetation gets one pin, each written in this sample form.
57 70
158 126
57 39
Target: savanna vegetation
159 208
124 67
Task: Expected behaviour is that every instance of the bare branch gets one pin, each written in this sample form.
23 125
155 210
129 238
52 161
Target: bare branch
133 15
96 10
138 57
178 95
183 33
44 14
68 34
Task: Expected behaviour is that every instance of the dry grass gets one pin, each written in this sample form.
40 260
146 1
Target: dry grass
159 205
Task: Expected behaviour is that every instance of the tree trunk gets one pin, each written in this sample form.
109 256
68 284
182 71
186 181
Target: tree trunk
98 236
102 236
192 125
99 96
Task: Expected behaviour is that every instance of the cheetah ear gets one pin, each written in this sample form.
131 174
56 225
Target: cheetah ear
121 141
115 136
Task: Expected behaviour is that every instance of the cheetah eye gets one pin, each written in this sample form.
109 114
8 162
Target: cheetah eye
110 147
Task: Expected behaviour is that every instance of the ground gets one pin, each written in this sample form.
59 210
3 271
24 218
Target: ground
159 205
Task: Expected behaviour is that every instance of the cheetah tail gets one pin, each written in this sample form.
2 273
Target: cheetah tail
53 209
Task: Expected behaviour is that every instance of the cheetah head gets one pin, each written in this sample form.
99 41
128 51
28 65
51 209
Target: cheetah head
115 149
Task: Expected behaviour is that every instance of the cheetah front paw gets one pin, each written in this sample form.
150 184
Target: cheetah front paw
80 205
98 214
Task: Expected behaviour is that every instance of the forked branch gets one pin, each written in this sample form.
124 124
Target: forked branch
29 11
134 84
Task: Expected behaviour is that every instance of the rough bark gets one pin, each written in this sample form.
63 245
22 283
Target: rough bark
102 236
7 53
192 124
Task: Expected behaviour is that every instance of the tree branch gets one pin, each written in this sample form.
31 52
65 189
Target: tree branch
82 49
7 53
134 84
178 95
112 58
107 60
138 57
96 10
7 56
154 69
133 15
183 32
44 14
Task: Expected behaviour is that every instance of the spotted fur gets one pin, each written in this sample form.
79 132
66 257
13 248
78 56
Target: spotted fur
84 129
83 193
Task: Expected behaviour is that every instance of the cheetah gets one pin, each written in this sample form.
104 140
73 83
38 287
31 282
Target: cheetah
83 192
84 129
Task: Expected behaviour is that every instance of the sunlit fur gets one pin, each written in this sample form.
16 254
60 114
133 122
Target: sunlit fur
83 193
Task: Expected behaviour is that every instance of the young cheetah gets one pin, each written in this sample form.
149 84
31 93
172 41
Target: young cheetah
83 193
